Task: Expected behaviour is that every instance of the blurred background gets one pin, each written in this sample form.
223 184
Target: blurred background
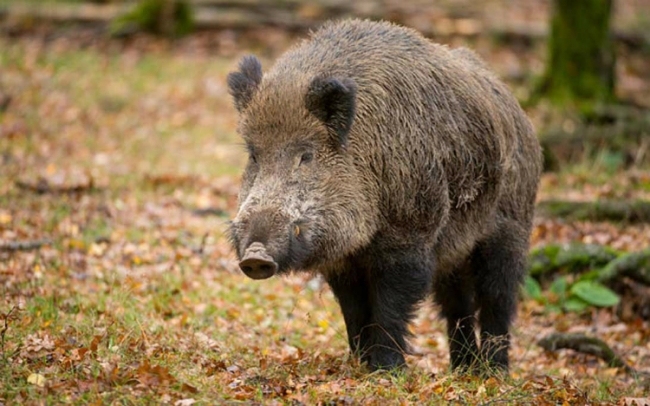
589 57
119 168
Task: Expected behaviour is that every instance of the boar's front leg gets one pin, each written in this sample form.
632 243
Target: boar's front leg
399 278
351 291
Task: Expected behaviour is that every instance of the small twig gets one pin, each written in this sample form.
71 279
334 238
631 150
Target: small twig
27 245
5 328
210 211
202 247
587 345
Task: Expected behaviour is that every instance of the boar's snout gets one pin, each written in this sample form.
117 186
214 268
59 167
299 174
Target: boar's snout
257 263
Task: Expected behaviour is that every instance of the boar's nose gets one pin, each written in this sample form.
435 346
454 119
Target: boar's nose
257 263
257 268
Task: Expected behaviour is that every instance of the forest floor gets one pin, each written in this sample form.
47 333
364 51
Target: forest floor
120 158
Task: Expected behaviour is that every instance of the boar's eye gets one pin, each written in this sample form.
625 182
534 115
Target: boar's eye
253 158
306 158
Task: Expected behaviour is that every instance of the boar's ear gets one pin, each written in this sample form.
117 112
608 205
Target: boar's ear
332 101
243 83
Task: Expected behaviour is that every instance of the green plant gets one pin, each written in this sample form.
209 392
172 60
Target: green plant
576 296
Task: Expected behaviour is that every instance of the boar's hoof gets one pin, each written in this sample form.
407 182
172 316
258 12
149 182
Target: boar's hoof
257 264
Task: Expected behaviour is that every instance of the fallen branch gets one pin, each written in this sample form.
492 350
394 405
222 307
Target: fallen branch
546 261
634 265
619 129
635 211
614 126
586 345
42 186
12 246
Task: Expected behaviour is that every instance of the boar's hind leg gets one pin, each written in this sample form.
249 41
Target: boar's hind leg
453 290
351 291
498 263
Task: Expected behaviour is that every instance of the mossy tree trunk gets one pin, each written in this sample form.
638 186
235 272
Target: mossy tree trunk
580 67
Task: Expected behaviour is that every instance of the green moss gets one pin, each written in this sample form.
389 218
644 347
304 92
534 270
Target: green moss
634 264
148 16
571 258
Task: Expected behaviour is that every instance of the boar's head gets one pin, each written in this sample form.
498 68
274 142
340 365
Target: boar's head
302 201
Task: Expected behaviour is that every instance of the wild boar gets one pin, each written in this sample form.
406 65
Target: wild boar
395 167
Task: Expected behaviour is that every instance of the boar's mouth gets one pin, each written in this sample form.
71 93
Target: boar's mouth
257 263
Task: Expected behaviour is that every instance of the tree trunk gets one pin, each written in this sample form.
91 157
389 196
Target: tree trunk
580 67
166 23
